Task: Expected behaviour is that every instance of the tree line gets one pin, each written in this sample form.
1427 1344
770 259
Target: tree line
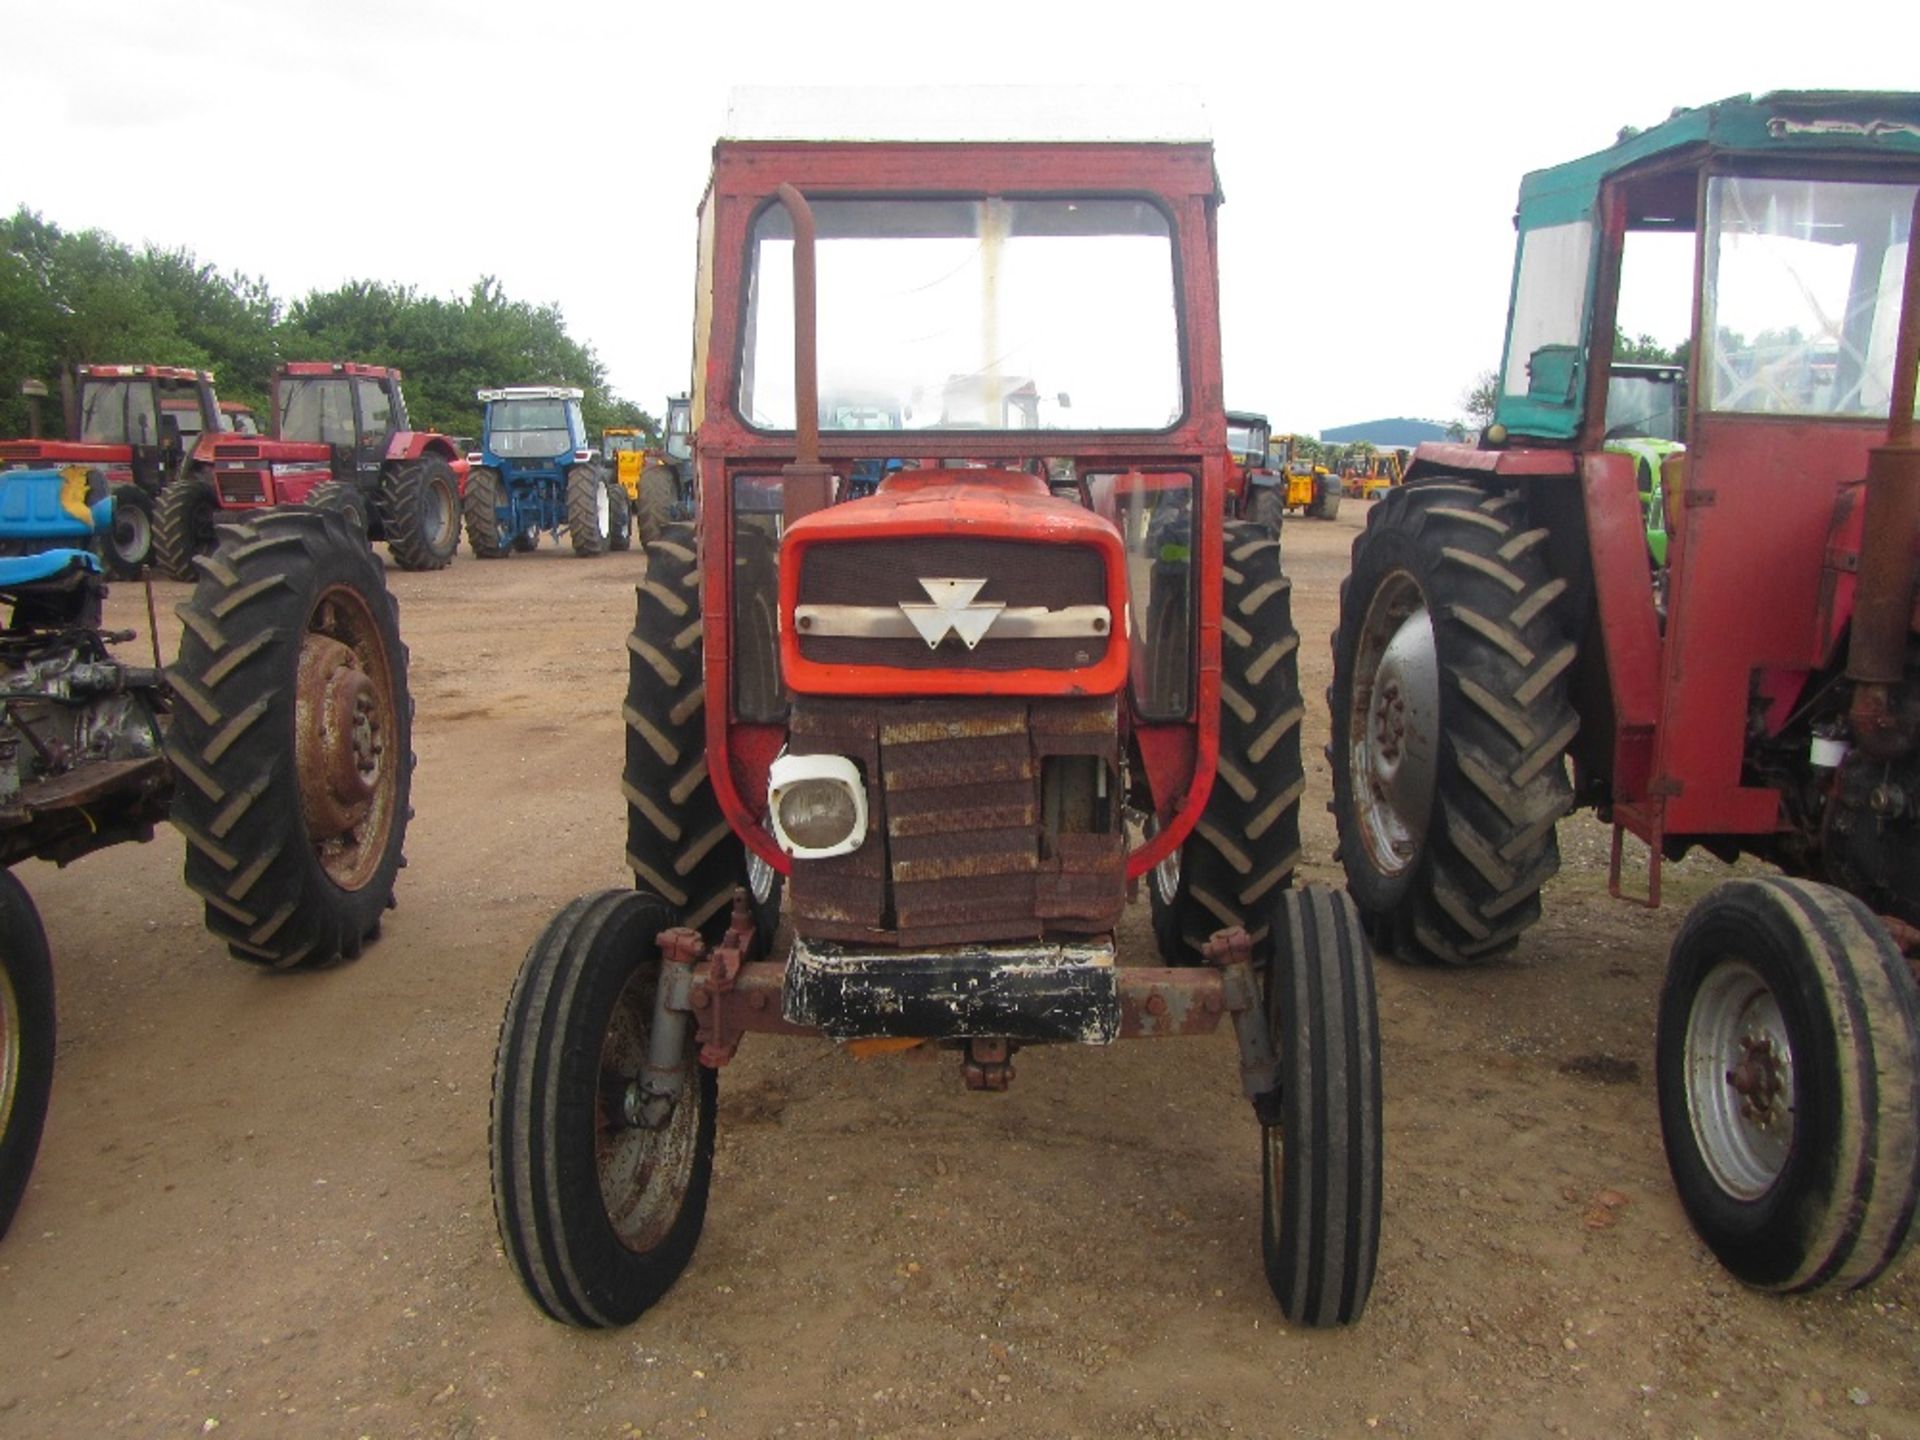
69 298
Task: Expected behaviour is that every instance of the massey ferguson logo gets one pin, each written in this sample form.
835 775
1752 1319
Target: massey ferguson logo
953 610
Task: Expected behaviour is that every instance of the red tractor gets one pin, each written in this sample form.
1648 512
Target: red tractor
136 424
339 439
957 720
1508 649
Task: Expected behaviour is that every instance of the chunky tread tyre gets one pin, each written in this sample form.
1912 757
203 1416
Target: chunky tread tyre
289 590
589 978
1839 1209
1322 1163
345 498
1471 885
485 533
619 516
1270 508
129 540
587 503
420 513
679 845
1327 506
1247 842
183 521
26 1041
653 510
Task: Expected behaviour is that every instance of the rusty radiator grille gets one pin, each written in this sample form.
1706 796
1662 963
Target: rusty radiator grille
959 846
1017 573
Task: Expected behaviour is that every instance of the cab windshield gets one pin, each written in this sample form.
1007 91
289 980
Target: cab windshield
317 409
118 412
530 429
971 314
1802 294
1247 442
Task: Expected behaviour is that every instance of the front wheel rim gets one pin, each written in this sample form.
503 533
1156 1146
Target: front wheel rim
760 879
12 1042
132 534
1737 1069
603 511
1393 725
644 1174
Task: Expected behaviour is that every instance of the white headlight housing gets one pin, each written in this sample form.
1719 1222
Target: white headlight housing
818 804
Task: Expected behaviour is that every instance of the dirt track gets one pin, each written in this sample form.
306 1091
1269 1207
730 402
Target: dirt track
262 1201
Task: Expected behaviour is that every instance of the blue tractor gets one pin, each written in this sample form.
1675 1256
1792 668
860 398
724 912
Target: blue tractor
536 470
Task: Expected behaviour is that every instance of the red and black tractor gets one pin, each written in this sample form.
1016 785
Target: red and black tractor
136 424
956 720
1509 648
338 439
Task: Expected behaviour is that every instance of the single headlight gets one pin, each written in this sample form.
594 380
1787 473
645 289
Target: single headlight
818 804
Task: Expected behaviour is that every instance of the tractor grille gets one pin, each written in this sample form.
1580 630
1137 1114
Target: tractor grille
241 487
958 846
884 573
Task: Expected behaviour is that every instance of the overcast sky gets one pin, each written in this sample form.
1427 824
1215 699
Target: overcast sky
1370 153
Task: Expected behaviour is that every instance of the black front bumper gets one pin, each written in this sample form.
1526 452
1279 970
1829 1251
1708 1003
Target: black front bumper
1046 991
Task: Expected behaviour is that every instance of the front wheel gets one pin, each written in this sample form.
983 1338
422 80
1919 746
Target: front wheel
1321 1153
26 1040
589 510
598 1213
619 516
343 497
487 533
183 520
130 538
420 513
1788 1067
291 739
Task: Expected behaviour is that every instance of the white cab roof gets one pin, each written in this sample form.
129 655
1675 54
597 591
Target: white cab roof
1167 114
531 392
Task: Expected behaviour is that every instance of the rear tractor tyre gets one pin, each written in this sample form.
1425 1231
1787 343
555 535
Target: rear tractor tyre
1327 507
183 521
291 740
619 516
598 1214
653 510
26 1041
679 845
589 510
343 498
1788 1068
486 533
1244 848
420 513
1450 723
1321 1149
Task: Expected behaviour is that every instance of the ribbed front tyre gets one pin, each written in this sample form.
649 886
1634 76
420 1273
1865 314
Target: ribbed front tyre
1788 1067
1321 1150
598 1211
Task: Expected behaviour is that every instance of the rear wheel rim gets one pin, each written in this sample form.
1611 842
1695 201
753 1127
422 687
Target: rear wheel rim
437 514
348 776
1393 725
132 533
1738 1074
644 1174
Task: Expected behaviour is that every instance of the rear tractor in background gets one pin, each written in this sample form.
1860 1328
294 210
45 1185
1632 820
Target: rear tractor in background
536 471
1511 646
339 440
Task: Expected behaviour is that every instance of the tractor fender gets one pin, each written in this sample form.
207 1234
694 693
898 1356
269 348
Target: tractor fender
1443 457
412 444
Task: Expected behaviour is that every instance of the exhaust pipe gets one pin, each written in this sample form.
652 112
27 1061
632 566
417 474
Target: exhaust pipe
806 485
1883 597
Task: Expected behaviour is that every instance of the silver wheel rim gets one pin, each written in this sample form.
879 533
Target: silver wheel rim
603 510
1166 877
1738 1073
1393 725
644 1174
132 533
437 519
12 1029
760 879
